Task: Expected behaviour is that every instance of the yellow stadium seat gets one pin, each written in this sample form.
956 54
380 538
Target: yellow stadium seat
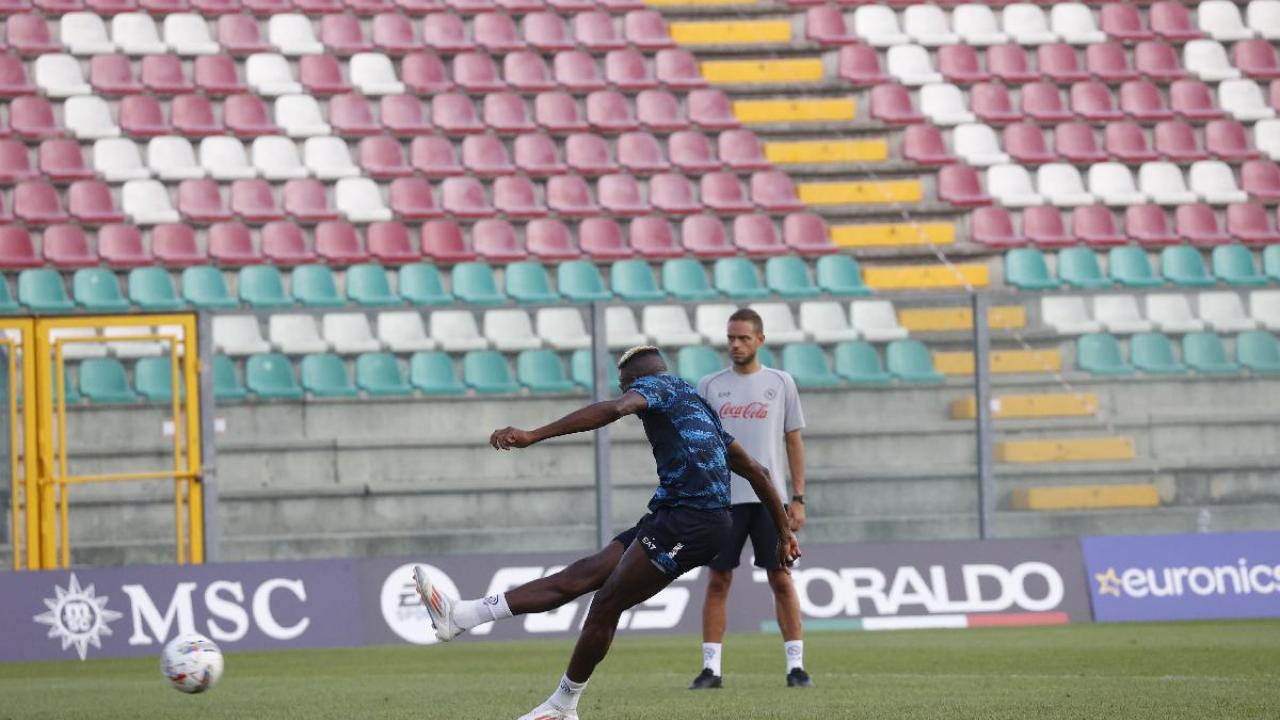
893 234
814 152
1086 497
737 32
1044 405
960 362
921 277
960 318
762 71
862 192
800 110
1065 450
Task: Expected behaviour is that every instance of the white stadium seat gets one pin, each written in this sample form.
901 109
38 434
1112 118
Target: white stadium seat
978 145
1120 314
172 158
1112 183
85 33
238 335
360 200
404 332
876 320
976 24
373 74
136 34
779 323
59 76
1062 185
300 116
78 350
826 321
911 65
1266 137
295 334
1223 311
146 202
877 26
1264 18
456 331
1208 60
188 35
118 159
292 35
349 333
510 330
1067 315
927 25
328 158
621 328
133 348
224 158
945 104
1171 313
1244 100
1075 24
1264 306
269 74
88 117
1215 183
668 325
1164 184
712 321
1011 186
562 328
276 158
1220 20
1026 24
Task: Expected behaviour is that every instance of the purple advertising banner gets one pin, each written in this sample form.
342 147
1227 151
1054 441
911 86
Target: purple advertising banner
114 612
1184 577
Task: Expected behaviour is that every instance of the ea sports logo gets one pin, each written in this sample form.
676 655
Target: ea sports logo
403 609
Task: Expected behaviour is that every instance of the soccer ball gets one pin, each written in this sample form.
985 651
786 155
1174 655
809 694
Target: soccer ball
191 663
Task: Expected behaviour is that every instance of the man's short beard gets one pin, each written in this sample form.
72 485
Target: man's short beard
749 359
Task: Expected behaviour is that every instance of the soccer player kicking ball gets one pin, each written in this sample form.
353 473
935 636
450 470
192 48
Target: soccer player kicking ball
687 523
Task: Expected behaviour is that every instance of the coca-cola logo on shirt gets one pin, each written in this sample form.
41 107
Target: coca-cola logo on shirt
746 411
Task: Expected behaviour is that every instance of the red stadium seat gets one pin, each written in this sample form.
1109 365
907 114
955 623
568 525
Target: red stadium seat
175 245
588 154
1142 100
807 234
1096 226
923 144
29 35
722 192
284 243
475 72
338 243
350 114
507 113
1127 142
15 162
307 201
640 152
1025 142
825 24
63 161
627 69
558 113
1149 225
1250 223
659 110
163 75
570 196
891 103
1256 58
527 71
454 113
90 202
486 155
253 201
620 195
16 249
960 186
193 116
445 32
705 237
496 32
36 202
442 241
1228 140
1044 227
546 31
13 77
434 156
65 246
1172 20
231 244
402 115
758 236
1093 101
992 104
390 243
1193 100
464 197
594 31
240 35
112 74
959 64
537 155
774 191
549 240
495 241
142 116
1109 62
411 198
1158 61
691 151
860 65
1042 101
601 239
382 158
647 30
1009 63
741 150
1123 21
652 238
673 193
608 111
1199 225
677 68
343 35
248 116
993 227
711 109
201 201
576 71
1176 141
32 118
216 75
1261 179
1060 62
424 72
516 197
393 34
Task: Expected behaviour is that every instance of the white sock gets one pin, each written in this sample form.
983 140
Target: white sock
470 613
567 695
711 657
795 654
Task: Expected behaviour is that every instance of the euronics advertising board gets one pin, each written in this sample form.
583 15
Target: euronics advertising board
1184 577
114 612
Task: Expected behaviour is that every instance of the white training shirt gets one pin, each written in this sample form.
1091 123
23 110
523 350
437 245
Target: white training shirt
757 409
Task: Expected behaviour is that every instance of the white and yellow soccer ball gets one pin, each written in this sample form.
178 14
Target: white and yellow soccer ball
191 663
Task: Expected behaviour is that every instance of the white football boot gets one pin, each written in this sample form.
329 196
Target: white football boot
439 606
547 711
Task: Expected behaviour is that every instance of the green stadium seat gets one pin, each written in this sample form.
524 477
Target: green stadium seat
325 375
1026 269
580 368
431 371
270 377
633 281
226 383
73 390
686 279
368 285
788 276
204 288
910 361
151 288
858 362
7 303
42 290
379 375
262 287
542 372
528 282
1152 353
422 285
1078 267
103 380
1099 354
580 281
1259 351
487 372
314 286
765 357
840 275
808 366
1130 266
153 378
1183 265
1271 262
1233 265
736 277
97 290
697 361
1205 353
473 283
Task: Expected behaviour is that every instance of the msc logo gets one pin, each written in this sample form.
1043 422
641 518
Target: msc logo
77 616
1239 579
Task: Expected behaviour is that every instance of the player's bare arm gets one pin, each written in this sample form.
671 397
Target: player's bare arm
795 462
743 464
591 417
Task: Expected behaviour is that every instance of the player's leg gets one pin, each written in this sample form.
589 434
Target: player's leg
716 601
764 541
453 617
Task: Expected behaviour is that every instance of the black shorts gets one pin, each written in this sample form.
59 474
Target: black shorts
754 520
678 539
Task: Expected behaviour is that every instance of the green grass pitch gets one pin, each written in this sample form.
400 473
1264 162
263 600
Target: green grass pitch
1197 671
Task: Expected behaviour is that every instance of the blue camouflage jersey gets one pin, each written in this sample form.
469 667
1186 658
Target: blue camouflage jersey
689 444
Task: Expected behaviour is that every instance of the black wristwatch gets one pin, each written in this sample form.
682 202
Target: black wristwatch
798 499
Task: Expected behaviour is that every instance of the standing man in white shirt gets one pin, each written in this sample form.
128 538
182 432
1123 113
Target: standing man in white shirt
760 406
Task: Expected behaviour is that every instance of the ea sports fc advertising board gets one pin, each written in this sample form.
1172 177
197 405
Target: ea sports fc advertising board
118 612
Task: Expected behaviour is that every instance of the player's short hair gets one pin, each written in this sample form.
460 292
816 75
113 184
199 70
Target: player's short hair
751 316
635 352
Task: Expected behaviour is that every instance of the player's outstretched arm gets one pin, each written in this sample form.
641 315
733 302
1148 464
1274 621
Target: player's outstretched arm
741 462
591 417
